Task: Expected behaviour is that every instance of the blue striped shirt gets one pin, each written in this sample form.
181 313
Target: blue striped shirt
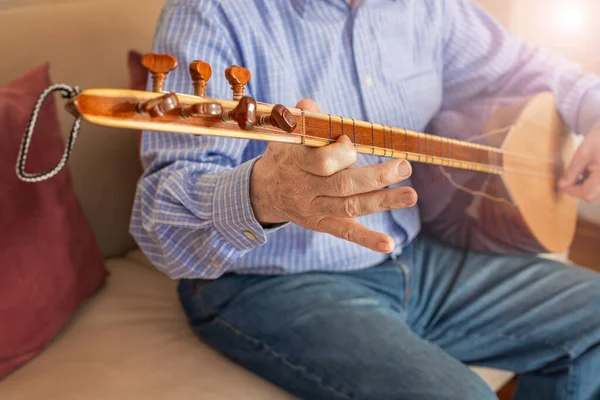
392 62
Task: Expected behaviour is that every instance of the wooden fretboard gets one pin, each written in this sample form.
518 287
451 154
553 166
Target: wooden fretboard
383 140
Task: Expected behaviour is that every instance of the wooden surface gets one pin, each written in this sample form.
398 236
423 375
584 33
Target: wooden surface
200 73
159 66
518 212
541 135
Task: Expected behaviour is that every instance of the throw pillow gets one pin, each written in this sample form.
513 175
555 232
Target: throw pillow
49 260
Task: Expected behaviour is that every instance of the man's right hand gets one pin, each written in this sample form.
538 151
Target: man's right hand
315 188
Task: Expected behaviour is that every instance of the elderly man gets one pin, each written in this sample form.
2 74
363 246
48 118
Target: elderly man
313 274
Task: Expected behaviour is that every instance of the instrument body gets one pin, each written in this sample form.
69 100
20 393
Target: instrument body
491 193
520 211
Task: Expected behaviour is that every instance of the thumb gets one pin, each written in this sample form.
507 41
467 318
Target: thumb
308 105
580 161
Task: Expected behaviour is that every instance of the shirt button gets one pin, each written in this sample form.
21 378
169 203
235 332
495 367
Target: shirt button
249 235
368 81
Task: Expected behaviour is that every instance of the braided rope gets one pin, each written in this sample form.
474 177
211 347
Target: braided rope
68 92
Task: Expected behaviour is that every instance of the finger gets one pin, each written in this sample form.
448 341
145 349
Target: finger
353 181
366 203
578 165
308 105
589 191
326 161
350 230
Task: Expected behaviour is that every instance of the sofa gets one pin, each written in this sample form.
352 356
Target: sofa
130 340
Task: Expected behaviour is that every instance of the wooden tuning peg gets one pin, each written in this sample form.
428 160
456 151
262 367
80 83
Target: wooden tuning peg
202 110
280 117
159 66
244 113
159 106
201 73
238 77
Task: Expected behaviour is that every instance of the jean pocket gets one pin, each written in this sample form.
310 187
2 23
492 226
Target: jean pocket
190 296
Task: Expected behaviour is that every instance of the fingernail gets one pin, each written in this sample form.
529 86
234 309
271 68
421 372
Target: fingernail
384 246
404 168
408 198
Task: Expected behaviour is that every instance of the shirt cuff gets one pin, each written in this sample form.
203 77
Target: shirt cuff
589 112
233 215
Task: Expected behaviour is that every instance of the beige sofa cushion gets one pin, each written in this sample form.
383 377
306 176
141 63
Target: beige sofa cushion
86 42
131 341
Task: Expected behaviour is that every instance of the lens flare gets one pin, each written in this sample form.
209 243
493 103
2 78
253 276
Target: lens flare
571 18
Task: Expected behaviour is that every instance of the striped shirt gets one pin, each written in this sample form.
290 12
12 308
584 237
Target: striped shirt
392 62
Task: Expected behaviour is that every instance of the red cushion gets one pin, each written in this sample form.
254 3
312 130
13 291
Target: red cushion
49 259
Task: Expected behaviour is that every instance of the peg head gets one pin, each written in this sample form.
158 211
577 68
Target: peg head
282 118
159 106
159 66
202 110
201 73
238 78
244 113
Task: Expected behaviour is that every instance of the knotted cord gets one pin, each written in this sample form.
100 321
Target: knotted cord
67 92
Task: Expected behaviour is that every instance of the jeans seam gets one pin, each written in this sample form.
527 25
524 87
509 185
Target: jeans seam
570 379
310 375
513 338
405 272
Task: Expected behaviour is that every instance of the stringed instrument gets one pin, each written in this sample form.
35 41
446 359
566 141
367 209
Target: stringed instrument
493 189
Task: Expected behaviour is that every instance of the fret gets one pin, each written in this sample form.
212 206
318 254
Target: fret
384 145
342 124
444 157
431 148
303 135
444 144
372 138
392 139
419 147
406 142
354 131
330 129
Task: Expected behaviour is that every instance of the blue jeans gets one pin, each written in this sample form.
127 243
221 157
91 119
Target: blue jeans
406 328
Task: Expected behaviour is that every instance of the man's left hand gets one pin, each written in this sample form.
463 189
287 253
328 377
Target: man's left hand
582 178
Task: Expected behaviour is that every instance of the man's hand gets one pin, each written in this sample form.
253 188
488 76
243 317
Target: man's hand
585 164
316 189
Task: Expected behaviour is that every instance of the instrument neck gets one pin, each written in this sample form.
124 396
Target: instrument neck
386 141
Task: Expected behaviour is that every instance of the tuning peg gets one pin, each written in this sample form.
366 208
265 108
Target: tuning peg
202 110
238 77
159 66
201 73
280 117
244 113
159 106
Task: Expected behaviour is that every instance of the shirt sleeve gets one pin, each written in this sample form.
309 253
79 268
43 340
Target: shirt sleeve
192 214
483 59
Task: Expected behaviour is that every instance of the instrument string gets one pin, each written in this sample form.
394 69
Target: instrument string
527 160
499 169
398 131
